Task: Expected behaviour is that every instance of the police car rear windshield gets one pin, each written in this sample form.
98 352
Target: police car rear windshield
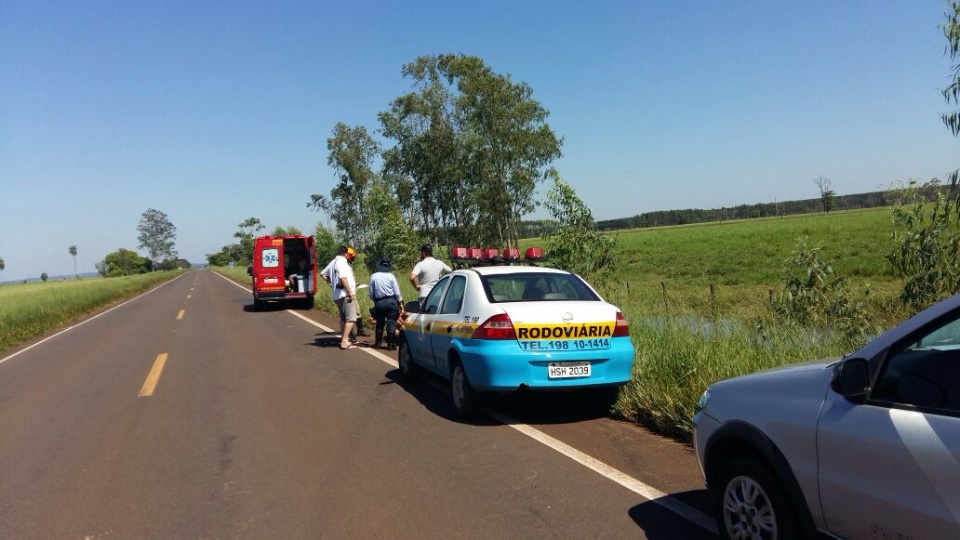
536 287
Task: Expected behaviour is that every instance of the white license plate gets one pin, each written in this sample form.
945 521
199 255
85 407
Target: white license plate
568 370
271 280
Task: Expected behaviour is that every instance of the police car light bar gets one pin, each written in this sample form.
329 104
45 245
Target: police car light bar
464 257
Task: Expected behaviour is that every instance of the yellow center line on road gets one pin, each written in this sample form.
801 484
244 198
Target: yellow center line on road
180 315
154 376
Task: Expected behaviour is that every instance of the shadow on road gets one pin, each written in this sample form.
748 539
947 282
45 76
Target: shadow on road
525 407
659 522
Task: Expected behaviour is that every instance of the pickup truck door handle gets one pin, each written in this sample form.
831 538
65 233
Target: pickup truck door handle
450 329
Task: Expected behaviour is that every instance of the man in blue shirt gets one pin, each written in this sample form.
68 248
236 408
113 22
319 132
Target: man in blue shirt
385 293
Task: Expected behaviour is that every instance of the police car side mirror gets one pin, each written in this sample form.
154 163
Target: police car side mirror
412 307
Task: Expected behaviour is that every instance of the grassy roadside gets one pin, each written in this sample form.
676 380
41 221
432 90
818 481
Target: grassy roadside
698 301
33 309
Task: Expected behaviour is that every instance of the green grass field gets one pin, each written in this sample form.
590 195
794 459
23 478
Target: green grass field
671 269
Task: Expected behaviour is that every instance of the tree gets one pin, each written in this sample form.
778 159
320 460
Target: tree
951 29
125 262
157 235
352 154
247 234
2 264
325 244
425 167
73 252
508 143
232 253
827 195
102 268
576 244
472 146
286 231
392 235
43 276
927 251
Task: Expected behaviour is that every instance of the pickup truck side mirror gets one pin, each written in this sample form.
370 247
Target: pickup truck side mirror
412 307
851 379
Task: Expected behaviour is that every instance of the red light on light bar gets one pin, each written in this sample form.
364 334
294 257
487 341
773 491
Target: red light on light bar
534 253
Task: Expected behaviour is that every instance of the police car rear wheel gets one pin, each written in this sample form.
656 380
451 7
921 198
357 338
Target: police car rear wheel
463 395
408 369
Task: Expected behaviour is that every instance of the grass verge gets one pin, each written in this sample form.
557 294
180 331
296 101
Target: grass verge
33 309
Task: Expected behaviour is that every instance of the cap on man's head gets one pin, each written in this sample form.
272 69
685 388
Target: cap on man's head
351 253
427 249
384 264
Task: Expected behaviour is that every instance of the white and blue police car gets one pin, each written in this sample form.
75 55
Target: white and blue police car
494 325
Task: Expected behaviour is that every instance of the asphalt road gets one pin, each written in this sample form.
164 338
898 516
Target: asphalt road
184 414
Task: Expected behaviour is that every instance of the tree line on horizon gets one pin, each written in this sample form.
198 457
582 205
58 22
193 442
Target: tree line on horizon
689 216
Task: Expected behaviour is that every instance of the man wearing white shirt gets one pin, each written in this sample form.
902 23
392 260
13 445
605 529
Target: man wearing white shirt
339 274
427 272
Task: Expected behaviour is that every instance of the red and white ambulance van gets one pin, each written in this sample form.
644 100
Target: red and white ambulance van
284 269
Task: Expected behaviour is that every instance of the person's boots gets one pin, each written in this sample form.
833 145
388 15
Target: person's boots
360 330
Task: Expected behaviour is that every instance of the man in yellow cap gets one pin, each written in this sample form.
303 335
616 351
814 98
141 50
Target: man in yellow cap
339 274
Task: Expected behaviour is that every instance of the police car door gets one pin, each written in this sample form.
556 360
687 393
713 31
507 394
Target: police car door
447 319
429 311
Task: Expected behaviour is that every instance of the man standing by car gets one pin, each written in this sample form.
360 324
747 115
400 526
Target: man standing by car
385 293
339 275
427 272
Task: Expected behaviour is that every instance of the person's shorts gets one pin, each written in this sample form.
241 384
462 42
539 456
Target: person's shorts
348 310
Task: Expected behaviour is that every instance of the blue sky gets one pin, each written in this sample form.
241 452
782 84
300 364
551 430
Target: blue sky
213 112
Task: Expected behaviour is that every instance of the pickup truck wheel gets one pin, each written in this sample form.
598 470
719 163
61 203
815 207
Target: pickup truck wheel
752 504
463 395
408 368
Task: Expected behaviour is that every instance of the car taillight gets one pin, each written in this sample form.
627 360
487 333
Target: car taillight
622 328
497 327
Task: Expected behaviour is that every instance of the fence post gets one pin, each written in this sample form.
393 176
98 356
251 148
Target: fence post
663 286
713 301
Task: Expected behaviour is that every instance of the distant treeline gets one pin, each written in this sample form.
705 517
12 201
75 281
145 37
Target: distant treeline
746 211
661 218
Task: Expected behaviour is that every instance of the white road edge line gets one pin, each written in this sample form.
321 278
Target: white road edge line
649 493
85 321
